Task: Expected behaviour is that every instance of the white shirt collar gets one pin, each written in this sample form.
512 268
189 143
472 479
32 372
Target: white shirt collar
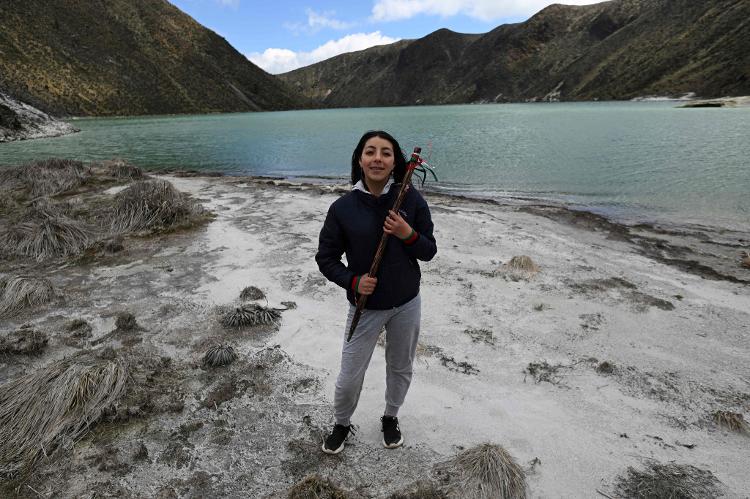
360 186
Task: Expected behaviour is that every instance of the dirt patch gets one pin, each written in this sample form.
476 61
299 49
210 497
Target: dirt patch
642 302
109 460
155 387
462 367
228 390
546 372
599 285
619 289
24 341
305 457
480 335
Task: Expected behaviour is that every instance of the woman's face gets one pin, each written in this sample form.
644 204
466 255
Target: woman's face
377 160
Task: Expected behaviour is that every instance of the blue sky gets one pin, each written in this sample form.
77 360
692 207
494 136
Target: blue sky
283 35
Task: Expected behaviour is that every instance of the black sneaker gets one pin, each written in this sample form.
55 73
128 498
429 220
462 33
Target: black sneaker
392 437
335 441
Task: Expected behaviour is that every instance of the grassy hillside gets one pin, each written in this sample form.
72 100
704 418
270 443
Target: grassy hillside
122 57
612 50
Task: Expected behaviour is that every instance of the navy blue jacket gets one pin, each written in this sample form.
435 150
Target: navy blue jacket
354 226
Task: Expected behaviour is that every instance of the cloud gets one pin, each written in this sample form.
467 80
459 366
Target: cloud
275 60
325 20
228 3
317 21
485 10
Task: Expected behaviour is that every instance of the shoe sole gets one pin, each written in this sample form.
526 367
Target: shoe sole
394 446
332 452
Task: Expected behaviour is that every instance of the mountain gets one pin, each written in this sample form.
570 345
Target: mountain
124 57
613 50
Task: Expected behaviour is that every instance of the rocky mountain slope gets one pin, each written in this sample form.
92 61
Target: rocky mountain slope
117 57
612 50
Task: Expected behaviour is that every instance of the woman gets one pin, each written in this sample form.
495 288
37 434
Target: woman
354 225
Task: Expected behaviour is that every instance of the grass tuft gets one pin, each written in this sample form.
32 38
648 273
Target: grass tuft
668 481
55 175
45 232
121 169
20 292
731 420
24 341
251 293
523 263
605 367
219 355
316 487
50 409
519 267
152 205
488 471
125 321
251 315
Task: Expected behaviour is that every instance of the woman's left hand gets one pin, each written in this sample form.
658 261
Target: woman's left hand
395 225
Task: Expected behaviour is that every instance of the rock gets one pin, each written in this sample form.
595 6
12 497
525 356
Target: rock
19 121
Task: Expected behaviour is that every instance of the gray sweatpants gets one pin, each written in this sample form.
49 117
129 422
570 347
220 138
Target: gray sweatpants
402 331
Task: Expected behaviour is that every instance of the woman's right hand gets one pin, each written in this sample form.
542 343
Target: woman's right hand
366 284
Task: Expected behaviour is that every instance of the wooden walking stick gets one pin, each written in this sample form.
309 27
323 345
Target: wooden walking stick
413 163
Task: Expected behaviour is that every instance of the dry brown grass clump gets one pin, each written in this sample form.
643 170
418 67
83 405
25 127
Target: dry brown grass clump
55 175
519 267
19 292
488 471
45 232
251 293
121 169
731 420
317 487
151 205
79 331
523 263
668 481
49 409
251 315
25 341
219 355
125 321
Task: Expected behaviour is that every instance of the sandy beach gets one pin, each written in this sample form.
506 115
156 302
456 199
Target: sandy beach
615 354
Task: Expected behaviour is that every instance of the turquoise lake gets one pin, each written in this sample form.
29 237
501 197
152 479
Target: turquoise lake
631 161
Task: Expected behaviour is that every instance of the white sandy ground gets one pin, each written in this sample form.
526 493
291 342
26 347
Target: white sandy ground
673 367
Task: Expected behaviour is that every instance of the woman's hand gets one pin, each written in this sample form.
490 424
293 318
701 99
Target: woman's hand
396 225
366 284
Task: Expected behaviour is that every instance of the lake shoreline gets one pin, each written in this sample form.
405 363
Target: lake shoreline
709 252
631 162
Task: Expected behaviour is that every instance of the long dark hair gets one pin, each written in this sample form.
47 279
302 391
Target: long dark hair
399 169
